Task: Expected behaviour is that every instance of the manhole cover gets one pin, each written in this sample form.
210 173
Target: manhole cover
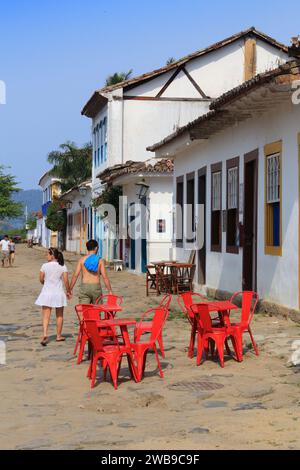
196 386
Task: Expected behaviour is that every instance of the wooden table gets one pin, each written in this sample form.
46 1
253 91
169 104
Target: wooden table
179 274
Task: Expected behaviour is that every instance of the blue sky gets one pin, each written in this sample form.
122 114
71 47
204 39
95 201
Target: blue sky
55 53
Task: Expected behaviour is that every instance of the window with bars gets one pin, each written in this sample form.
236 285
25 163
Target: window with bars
273 178
216 191
232 188
273 207
232 214
216 207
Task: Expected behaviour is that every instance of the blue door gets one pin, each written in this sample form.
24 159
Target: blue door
144 255
132 242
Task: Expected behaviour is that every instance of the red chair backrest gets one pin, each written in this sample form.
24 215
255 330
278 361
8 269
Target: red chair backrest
80 309
93 334
110 299
160 316
202 311
186 300
249 304
166 301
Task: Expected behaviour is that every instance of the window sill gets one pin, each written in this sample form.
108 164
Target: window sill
216 249
234 250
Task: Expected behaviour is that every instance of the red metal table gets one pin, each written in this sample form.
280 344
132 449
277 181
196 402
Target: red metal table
111 310
123 323
223 307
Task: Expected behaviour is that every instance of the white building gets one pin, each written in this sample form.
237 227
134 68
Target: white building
242 162
128 116
79 217
51 189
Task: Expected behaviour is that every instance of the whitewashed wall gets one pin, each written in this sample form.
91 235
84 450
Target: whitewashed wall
277 277
73 245
159 204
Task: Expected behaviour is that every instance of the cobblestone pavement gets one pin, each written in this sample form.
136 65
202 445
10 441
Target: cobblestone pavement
46 402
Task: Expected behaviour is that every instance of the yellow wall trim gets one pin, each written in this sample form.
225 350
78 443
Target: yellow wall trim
274 147
270 149
250 59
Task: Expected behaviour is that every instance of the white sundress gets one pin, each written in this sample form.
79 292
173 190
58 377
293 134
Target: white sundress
52 294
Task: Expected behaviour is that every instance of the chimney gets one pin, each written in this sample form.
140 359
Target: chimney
294 49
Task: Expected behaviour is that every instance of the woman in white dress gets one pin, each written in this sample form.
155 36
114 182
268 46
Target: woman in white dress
53 276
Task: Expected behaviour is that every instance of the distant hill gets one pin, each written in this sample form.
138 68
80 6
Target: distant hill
33 199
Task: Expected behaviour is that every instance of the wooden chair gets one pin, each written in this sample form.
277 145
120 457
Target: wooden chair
152 281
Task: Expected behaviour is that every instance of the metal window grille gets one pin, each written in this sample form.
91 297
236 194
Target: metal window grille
232 189
273 178
216 191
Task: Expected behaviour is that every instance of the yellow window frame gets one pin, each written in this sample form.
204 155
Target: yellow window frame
270 149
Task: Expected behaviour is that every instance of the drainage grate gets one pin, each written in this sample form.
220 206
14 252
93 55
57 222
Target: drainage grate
195 386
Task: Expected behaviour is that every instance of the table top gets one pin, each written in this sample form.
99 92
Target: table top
109 308
117 322
173 264
219 305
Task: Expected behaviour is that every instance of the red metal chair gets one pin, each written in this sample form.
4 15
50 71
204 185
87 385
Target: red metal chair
110 299
185 301
208 336
143 326
141 348
82 337
109 355
249 303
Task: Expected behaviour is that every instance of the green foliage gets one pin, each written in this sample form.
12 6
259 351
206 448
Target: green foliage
118 77
109 196
72 164
8 186
56 217
16 231
31 222
170 60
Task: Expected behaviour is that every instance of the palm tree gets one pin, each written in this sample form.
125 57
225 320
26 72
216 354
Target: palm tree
118 77
170 60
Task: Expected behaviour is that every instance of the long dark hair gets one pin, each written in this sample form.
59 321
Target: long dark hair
57 255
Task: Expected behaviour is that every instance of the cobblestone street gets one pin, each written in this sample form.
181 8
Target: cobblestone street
46 402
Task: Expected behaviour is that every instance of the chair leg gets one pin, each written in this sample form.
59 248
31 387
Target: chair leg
199 349
81 350
161 346
192 343
94 372
158 362
79 337
220 349
253 342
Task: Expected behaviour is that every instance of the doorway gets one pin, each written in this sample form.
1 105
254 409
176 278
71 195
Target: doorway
249 235
202 201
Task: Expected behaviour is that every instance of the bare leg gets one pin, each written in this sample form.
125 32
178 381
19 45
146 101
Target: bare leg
59 323
46 311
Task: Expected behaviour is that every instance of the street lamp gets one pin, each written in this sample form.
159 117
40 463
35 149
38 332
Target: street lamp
82 190
69 205
143 189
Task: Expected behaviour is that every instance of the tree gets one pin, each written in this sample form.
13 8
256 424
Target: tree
31 222
56 217
170 60
8 186
72 164
118 77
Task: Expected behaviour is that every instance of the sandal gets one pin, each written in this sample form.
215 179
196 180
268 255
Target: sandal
61 340
44 341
